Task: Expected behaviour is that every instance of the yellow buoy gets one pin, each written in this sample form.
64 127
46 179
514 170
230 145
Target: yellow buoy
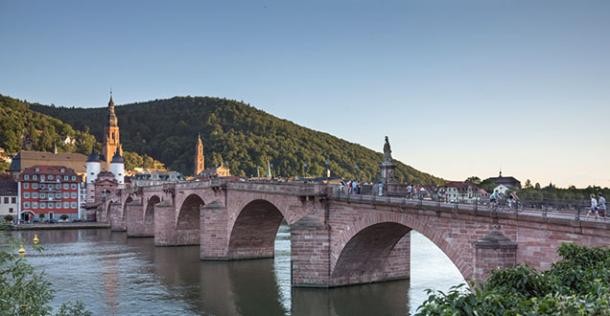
21 250
36 240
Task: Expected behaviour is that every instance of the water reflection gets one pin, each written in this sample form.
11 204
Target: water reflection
114 275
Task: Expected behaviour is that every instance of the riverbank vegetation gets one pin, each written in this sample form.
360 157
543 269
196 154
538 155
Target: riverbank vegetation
578 284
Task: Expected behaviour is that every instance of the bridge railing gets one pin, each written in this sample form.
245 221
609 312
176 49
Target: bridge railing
576 210
309 189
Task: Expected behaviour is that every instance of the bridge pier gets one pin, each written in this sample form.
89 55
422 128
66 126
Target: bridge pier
167 232
117 221
310 251
214 244
136 227
492 252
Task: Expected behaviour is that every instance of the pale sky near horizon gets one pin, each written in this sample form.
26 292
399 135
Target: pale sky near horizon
461 87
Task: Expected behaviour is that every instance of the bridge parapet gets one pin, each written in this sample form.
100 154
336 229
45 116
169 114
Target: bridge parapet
285 188
564 217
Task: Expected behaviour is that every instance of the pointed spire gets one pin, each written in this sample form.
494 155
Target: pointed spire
112 119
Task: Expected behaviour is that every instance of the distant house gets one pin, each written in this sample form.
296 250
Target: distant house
150 178
28 158
461 191
8 196
508 182
220 171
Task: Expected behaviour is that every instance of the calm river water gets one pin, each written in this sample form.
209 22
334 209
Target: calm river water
114 275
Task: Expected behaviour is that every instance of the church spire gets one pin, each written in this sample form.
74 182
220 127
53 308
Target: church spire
199 159
112 139
112 119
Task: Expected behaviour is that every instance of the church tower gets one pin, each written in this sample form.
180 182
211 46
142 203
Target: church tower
199 163
112 140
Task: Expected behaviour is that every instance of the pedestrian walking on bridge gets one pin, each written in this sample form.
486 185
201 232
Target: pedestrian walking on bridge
593 208
601 205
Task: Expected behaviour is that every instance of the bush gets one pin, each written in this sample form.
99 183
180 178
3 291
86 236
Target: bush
63 217
576 285
8 218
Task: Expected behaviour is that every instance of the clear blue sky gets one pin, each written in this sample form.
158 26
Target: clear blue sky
461 87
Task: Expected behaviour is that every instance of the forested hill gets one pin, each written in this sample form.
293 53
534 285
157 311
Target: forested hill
236 133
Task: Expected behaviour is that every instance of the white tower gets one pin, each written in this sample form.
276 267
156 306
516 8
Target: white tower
94 166
117 167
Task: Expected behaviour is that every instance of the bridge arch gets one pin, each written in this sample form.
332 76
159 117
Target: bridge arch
128 200
254 230
149 211
369 237
188 213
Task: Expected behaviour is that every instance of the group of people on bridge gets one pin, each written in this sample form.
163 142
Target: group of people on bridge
598 206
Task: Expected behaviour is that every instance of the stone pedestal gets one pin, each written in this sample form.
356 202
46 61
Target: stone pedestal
494 251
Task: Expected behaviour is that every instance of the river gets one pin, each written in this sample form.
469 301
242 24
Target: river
115 275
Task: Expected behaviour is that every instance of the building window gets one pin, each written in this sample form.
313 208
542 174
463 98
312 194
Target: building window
73 205
26 185
74 178
50 205
42 177
26 177
14 200
73 186
66 195
34 177
43 205
58 186
66 204
34 204
50 177
58 205
26 204
66 186
26 195
34 195
42 186
6 200
58 195
43 195
62 170
65 178
10 210
73 195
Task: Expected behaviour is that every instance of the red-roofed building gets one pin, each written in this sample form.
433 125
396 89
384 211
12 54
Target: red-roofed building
49 190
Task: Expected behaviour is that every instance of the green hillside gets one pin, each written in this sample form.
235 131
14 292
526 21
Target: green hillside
241 135
24 129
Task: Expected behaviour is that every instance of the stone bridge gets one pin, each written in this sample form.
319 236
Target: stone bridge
338 239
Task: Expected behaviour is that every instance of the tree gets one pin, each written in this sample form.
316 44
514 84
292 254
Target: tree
528 184
537 186
474 180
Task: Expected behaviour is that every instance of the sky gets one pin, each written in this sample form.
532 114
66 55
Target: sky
462 88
